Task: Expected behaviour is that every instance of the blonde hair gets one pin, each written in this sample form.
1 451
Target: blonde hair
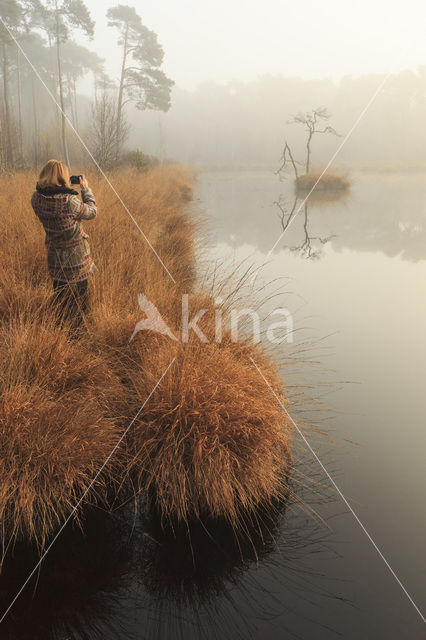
54 174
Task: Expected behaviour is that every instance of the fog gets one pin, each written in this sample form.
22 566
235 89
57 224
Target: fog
245 124
243 39
241 70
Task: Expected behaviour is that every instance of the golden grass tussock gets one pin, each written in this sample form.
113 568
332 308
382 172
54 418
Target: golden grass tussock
327 185
58 423
211 438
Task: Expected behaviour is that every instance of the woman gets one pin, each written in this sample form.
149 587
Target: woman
60 210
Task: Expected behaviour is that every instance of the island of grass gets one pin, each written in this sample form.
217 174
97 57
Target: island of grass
330 184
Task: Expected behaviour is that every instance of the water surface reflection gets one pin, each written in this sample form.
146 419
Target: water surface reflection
127 576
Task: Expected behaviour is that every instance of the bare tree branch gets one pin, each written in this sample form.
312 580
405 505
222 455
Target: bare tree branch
286 154
310 120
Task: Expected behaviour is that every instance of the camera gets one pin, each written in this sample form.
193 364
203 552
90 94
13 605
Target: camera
75 179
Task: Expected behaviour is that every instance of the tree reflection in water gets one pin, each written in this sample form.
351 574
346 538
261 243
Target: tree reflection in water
306 248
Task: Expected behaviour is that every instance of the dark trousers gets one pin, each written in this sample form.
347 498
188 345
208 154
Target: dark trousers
71 299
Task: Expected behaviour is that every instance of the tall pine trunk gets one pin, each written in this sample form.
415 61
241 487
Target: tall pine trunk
120 96
71 100
75 103
61 89
8 130
36 139
20 125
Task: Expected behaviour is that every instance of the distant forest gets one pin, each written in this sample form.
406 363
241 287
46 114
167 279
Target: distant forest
245 124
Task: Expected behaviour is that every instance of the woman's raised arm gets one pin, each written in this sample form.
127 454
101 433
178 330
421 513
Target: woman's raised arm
85 210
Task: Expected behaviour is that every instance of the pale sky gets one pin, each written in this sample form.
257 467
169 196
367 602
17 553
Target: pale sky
222 40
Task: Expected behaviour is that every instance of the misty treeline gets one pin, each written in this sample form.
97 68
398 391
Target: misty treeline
32 127
248 123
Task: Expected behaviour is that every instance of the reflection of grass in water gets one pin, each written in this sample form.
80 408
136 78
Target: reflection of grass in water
123 577
190 562
79 589
211 438
204 578
324 197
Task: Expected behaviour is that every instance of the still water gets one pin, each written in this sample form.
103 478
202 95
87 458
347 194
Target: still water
353 274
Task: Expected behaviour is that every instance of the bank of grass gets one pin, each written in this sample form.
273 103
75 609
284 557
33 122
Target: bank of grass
210 439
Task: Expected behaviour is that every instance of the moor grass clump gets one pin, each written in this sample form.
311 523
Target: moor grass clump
213 439
58 422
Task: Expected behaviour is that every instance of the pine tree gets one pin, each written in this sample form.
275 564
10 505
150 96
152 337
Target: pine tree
60 16
10 12
30 10
141 81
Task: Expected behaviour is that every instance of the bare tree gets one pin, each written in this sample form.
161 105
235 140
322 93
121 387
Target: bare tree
104 136
285 157
311 120
287 214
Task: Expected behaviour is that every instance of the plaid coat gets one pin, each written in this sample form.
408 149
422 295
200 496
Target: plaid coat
68 250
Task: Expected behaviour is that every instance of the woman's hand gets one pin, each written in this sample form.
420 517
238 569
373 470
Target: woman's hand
83 182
